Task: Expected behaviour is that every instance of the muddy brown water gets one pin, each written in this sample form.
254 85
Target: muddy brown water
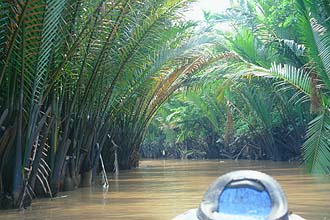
159 190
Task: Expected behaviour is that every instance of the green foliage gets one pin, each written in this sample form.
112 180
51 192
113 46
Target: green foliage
77 74
316 147
284 44
189 123
302 75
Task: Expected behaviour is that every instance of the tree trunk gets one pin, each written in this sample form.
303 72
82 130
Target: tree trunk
59 162
86 178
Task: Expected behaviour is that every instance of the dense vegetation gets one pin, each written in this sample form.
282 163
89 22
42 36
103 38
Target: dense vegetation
269 100
82 78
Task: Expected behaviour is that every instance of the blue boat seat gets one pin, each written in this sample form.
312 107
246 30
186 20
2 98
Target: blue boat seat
242 195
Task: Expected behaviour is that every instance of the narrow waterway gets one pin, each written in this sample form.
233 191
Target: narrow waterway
159 190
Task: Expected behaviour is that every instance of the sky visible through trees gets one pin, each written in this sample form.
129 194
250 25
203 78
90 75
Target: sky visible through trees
214 6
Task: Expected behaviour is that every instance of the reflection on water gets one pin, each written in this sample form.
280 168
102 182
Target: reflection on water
159 190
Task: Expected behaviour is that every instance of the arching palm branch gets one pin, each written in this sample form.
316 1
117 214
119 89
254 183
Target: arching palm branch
307 71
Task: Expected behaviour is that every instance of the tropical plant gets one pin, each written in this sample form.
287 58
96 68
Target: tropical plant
298 64
270 41
77 76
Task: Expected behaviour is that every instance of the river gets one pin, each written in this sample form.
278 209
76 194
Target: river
159 190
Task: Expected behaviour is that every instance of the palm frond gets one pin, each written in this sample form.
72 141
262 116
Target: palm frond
140 38
287 75
294 47
316 149
11 26
322 40
4 24
260 104
296 78
50 22
211 112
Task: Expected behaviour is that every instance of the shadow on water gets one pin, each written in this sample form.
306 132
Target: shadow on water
159 190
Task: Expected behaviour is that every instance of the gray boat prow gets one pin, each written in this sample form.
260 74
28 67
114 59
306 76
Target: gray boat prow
242 195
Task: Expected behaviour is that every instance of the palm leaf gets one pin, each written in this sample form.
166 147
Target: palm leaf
297 49
315 38
316 149
4 26
11 27
139 41
50 27
292 77
322 40
287 77
260 104
211 112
